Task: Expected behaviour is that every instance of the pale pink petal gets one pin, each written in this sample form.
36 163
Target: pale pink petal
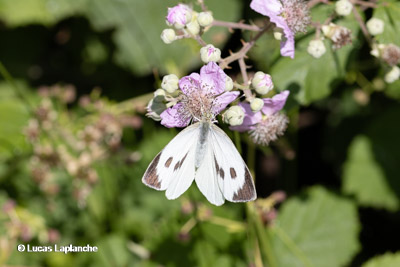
189 83
272 9
250 118
275 104
177 14
172 117
221 101
213 78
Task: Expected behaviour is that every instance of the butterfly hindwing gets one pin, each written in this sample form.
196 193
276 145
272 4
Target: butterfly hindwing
233 176
173 168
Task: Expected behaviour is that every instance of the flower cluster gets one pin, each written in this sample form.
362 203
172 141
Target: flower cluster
186 23
291 16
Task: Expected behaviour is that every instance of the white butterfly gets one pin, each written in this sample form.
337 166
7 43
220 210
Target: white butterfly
204 153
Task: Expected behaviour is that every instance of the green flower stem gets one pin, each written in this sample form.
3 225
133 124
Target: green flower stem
236 136
262 235
291 245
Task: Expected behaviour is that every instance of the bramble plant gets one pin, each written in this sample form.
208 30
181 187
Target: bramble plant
280 77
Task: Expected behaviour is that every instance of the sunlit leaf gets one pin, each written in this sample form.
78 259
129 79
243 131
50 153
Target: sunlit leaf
318 228
386 260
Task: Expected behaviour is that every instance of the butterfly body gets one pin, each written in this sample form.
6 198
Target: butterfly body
204 153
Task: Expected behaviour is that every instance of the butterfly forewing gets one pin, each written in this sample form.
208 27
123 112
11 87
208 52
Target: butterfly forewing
173 168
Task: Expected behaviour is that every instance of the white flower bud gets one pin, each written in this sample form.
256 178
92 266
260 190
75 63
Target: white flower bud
393 75
205 19
343 7
256 104
329 30
168 36
377 50
170 83
209 53
262 83
228 84
234 116
193 27
375 26
278 36
316 48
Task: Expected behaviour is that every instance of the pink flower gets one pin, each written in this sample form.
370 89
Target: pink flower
271 106
179 15
290 15
203 97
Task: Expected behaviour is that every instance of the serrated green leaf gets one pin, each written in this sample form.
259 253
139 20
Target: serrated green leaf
386 260
371 170
365 178
318 229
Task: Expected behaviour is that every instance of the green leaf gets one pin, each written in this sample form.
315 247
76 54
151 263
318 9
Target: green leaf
389 13
46 12
386 260
365 178
316 229
371 170
13 118
308 78
138 25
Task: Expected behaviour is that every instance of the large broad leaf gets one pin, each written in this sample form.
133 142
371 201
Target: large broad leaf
309 79
371 170
365 178
317 229
386 260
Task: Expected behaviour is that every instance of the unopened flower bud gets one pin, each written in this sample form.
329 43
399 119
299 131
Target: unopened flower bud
168 36
377 50
234 116
193 27
256 104
205 19
278 35
228 84
343 7
179 15
375 26
393 75
262 83
316 48
209 53
170 83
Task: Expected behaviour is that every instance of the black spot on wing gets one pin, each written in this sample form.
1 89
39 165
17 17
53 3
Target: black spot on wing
218 169
233 173
247 192
178 165
168 162
150 177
